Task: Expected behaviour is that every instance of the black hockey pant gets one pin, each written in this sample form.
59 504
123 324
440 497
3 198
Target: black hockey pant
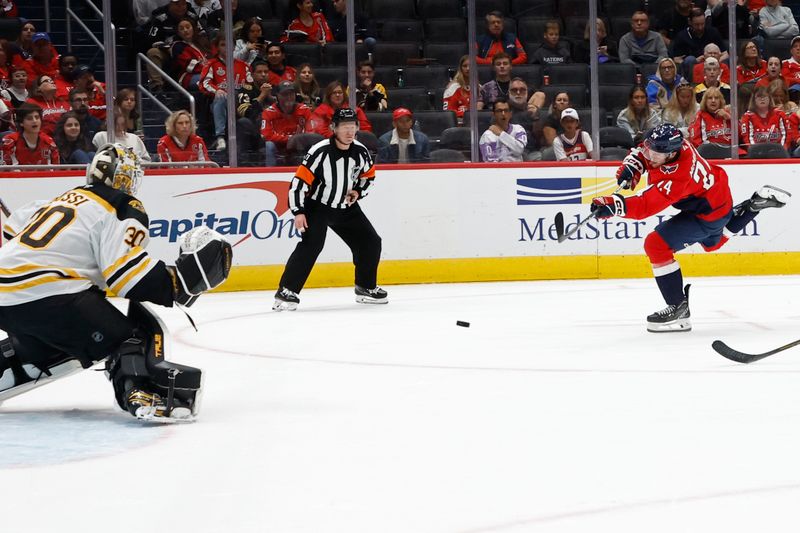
356 231
84 326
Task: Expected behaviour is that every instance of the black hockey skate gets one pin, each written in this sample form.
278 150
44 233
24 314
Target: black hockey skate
285 300
764 198
371 296
150 406
672 317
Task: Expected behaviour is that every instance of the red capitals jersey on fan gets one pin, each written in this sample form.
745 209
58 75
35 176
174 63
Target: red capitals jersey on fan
770 129
288 74
97 102
276 126
689 184
790 70
708 128
214 76
170 151
17 152
187 60
456 99
51 112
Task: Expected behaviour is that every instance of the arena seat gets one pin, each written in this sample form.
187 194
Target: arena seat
395 53
445 53
335 54
429 9
616 74
577 93
400 30
404 9
533 8
567 74
614 136
613 154
445 30
714 151
445 155
767 151
299 53
325 75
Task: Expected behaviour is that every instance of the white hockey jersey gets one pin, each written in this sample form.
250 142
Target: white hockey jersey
92 235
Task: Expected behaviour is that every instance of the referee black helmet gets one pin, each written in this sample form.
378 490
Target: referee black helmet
344 114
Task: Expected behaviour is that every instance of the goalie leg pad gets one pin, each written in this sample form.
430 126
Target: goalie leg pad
139 371
204 263
18 376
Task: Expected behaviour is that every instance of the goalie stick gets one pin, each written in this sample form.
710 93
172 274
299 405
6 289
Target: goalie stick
740 357
4 209
559 221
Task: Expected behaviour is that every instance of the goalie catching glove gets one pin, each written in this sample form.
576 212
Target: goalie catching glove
203 264
608 206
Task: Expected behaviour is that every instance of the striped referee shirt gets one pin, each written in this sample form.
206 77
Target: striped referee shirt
327 174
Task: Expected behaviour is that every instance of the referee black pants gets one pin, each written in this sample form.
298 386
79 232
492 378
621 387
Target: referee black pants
356 231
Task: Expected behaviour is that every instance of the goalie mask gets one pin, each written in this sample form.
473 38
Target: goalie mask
116 166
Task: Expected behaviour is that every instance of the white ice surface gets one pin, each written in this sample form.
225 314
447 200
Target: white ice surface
555 411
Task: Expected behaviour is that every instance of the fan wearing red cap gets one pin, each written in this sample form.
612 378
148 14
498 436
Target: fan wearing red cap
403 144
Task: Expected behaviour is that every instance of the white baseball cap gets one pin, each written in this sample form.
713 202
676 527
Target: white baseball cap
570 113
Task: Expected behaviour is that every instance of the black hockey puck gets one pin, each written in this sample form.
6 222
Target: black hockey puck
462 323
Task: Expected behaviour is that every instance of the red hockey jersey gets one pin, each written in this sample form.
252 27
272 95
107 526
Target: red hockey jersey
15 150
214 76
276 126
771 129
745 75
690 184
187 60
288 74
708 128
51 112
322 117
169 150
318 31
456 99
790 70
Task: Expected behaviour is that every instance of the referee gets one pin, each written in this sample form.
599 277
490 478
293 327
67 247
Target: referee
334 175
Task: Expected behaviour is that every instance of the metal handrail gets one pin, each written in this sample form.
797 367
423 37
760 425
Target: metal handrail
71 14
143 90
146 164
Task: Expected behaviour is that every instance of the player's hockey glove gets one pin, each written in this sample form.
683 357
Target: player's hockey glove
608 206
630 172
204 263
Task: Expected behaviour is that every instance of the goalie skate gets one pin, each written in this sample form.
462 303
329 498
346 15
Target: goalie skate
285 300
671 318
371 296
150 407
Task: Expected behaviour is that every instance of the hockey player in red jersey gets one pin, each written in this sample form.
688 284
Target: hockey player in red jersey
678 176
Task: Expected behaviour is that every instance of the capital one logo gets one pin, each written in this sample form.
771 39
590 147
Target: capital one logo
244 224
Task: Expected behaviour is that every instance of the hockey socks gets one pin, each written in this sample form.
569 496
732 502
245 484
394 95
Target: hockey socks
669 279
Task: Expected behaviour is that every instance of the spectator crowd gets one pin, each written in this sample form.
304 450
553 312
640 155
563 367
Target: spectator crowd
665 62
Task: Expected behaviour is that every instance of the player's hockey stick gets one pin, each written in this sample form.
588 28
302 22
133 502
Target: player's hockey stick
4 209
559 221
740 357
